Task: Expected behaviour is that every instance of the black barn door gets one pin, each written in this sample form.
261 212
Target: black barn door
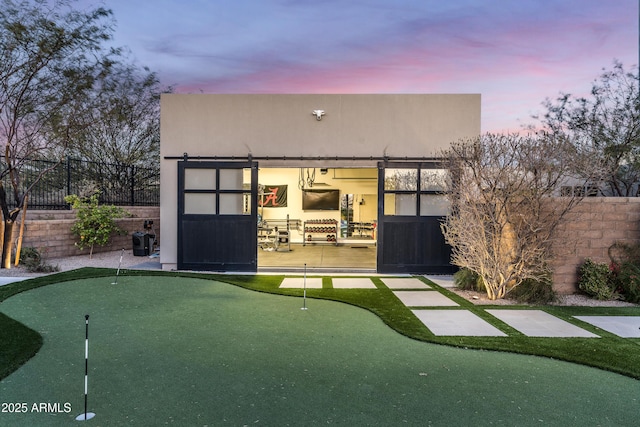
217 216
410 208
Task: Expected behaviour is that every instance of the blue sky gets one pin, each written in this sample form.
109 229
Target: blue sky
515 53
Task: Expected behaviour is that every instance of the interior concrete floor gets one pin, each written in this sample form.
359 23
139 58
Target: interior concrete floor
320 256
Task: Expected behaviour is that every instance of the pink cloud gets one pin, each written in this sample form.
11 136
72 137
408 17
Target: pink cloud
514 54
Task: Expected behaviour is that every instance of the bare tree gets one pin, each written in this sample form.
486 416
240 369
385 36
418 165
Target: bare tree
50 57
122 145
504 192
125 117
607 123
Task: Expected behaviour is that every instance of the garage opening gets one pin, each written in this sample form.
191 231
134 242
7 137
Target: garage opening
324 218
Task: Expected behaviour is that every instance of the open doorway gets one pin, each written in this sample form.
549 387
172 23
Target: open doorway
321 218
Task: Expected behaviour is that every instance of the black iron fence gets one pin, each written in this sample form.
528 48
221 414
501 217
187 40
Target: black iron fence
117 184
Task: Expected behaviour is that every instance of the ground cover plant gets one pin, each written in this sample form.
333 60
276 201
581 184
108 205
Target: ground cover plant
35 262
247 357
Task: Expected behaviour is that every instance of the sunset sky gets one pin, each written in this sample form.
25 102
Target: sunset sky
515 53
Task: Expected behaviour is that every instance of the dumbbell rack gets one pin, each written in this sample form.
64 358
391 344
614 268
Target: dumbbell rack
320 231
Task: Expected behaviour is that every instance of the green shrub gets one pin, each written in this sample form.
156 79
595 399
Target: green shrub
625 266
95 224
468 280
594 279
534 292
34 262
628 280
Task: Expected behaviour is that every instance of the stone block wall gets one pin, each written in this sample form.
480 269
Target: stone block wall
50 231
588 232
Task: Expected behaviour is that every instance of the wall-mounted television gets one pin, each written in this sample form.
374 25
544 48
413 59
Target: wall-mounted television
320 200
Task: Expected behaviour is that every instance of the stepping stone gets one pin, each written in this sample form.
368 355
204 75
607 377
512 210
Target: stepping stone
445 281
298 282
622 326
457 323
353 283
404 283
424 299
538 323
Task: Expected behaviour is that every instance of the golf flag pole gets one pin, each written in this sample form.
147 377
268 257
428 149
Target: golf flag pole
304 292
86 415
118 271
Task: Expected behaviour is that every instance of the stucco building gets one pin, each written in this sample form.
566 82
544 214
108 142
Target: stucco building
246 174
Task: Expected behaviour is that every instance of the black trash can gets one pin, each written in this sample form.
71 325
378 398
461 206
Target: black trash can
143 243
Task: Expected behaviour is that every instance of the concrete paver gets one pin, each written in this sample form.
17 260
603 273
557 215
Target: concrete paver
299 282
404 283
623 326
353 283
537 323
457 323
424 299
446 281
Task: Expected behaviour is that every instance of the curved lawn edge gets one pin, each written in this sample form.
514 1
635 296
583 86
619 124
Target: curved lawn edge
18 344
609 352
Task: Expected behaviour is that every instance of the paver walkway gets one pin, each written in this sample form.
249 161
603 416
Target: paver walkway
453 320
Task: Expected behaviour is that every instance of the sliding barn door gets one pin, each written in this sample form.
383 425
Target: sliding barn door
217 216
411 207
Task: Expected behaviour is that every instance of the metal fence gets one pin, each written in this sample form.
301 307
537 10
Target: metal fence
118 184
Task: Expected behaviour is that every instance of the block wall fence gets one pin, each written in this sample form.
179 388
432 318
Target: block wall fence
587 232
50 231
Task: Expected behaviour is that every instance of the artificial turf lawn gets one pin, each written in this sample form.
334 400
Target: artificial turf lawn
200 352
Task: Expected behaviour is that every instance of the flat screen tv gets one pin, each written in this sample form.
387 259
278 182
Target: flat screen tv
320 200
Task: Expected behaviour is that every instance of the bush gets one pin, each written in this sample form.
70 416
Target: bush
595 280
625 266
468 280
534 292
94 224
34 262
628 279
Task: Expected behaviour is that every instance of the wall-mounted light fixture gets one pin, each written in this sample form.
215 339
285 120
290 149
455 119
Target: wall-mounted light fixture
318 114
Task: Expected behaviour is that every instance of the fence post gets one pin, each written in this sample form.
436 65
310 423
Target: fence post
68 160
133 185
68 180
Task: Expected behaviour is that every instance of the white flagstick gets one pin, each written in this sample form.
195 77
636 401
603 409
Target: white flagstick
119 264
86 415
304 294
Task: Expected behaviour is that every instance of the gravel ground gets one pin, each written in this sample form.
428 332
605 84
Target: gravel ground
129 261
574 299
102 259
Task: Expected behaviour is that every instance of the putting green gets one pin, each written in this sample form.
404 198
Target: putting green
197 352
